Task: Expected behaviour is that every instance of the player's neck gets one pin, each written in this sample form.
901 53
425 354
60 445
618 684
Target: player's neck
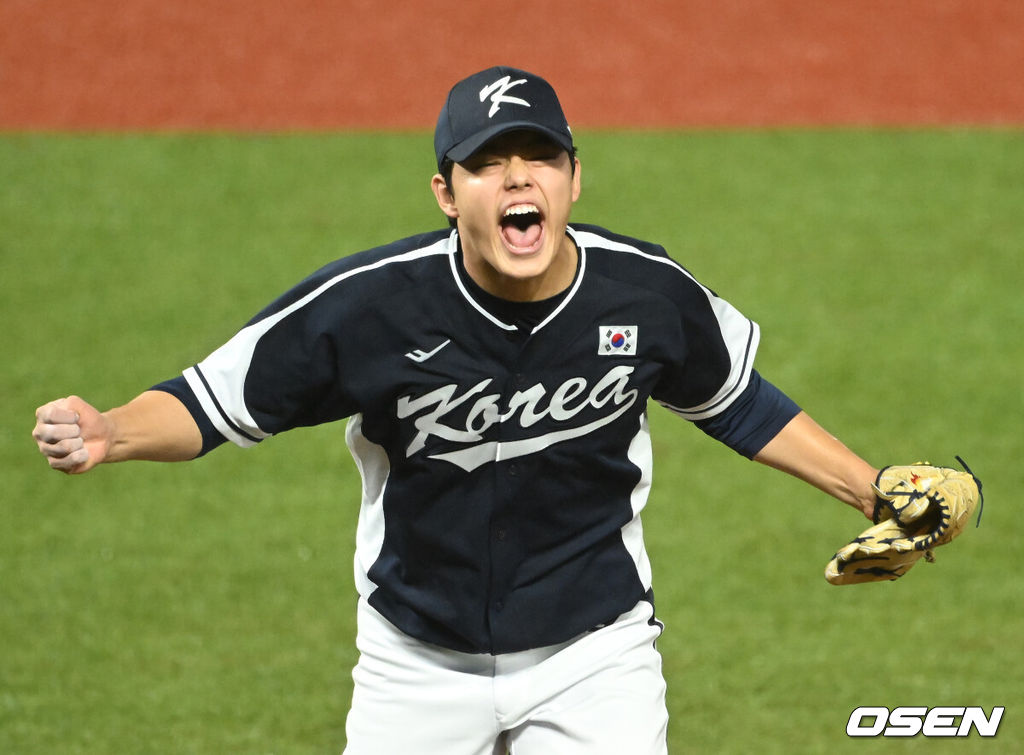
558 276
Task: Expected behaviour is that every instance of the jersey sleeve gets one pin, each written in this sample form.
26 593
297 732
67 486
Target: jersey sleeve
709 358
704 347
315 354
280 371
753 419
178 387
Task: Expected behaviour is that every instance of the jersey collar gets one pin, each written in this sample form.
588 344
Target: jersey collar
453 259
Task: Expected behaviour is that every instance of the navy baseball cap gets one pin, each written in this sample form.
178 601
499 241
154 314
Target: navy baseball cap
492 102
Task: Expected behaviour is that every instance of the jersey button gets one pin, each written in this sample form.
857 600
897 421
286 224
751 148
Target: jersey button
501 533
513 470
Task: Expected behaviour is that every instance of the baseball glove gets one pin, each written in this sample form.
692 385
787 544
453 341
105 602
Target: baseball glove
919 507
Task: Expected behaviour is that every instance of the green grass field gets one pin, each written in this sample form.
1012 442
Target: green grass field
209 607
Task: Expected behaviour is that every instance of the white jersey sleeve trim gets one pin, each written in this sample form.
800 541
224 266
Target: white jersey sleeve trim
219 380
742 337
740 334
217 414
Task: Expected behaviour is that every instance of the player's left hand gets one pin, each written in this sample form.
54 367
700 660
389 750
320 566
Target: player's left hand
919 507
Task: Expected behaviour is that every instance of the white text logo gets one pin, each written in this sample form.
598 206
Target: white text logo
498 97
418 355
564 403
930 722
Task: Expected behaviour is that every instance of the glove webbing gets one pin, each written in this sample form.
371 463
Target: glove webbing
915 494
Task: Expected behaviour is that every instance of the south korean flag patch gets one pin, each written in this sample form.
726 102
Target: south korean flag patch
617 340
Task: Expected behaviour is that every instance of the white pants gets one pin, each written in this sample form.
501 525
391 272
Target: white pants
600 693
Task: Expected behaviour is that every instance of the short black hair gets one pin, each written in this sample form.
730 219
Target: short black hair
447 166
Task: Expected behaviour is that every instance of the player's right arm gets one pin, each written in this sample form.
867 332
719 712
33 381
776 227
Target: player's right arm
74 436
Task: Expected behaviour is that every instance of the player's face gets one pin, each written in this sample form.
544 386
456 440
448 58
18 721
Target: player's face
511 201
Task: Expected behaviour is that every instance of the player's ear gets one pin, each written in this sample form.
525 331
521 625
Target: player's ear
576 185
443 195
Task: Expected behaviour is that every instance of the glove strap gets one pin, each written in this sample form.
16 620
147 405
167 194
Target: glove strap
882 501
981 496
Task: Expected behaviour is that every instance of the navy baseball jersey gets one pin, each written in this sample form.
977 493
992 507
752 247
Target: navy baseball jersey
503 447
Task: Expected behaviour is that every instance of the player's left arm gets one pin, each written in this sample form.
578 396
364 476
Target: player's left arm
807 451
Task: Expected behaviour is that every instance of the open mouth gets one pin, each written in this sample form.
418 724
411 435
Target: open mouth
521 227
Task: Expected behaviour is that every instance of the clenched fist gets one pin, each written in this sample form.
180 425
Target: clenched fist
72 435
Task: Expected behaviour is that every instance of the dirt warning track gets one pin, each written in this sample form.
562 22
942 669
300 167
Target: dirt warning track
323 64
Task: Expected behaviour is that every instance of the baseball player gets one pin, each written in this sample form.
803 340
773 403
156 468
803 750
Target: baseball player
495 377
